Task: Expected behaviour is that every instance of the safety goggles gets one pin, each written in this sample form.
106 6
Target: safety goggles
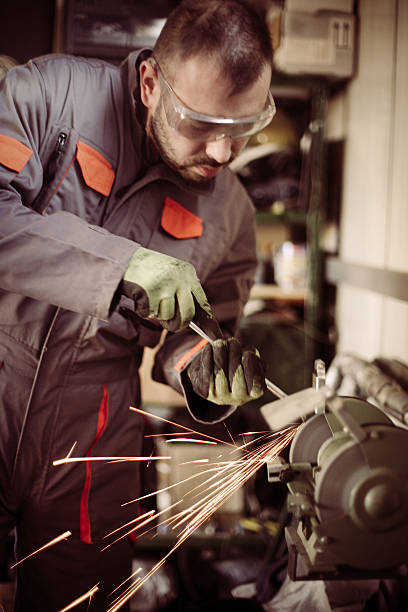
197 126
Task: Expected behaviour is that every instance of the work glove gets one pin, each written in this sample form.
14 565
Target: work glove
226 373
164 288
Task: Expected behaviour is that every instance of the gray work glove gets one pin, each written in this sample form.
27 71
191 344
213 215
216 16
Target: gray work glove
226 373
164 288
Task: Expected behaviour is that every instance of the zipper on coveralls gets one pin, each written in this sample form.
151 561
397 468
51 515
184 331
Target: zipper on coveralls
61 140
33 386
52 167
55 157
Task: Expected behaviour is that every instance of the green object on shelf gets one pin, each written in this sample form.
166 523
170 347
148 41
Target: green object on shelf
292 218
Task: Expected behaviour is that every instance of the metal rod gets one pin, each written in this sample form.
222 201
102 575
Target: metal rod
274 389
269 384
200 332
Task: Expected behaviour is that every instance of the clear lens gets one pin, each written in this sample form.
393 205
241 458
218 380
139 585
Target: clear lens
197 126
202 130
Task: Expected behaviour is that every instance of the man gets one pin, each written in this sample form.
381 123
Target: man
114 201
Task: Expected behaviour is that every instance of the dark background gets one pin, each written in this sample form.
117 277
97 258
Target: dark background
26 28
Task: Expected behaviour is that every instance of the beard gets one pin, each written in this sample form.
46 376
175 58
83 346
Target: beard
156 130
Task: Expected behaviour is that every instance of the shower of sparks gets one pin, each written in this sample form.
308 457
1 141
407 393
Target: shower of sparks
221 480
152 516
217 482
87 595
176 484
158 418
63 536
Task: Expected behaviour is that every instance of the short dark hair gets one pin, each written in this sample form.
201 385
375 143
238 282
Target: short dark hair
229 30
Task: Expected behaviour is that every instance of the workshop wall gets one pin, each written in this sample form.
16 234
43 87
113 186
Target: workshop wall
374 217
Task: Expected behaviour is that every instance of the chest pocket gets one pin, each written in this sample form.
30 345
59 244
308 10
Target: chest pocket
186 235
97 172
180 222
77 178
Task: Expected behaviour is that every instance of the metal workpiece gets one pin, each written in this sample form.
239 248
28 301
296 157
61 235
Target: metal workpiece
295 407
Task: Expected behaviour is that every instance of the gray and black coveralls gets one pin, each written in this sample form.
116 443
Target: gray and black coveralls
80 190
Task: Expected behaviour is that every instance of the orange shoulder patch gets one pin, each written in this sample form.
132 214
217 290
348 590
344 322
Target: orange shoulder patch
13 153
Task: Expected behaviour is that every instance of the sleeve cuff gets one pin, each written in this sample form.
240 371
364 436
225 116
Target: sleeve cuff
177 356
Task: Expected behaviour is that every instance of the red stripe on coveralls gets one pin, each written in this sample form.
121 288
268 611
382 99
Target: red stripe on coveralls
84 521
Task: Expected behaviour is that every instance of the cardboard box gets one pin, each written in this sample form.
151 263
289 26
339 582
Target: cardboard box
316 44
191 481
313 6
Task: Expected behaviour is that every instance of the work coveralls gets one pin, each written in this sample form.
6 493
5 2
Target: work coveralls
80 189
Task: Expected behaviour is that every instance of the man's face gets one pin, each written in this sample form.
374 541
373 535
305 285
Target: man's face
200 85
188 157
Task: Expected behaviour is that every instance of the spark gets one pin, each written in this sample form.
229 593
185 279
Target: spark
194 440
256 433
63 536
165 435
117 459
229 433
71 450
89 594
148 463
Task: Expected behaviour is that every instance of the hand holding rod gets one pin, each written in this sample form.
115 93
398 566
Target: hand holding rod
269 384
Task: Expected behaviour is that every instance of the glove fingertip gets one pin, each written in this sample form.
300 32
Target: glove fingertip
258 389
